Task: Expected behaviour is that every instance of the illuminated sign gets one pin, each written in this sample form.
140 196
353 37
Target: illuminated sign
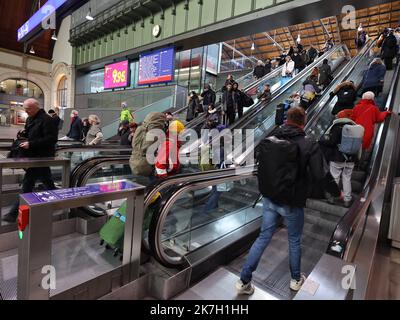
157 66
116 75
43 14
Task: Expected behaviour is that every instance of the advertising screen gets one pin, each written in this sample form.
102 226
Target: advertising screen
116 75
157 66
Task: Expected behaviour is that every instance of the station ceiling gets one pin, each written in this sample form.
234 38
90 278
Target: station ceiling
13 14
373 20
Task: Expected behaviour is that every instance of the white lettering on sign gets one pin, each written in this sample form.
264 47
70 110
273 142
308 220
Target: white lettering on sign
349 280
49 280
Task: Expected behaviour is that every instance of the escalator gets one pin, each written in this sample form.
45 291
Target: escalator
281 90
111 170
184 234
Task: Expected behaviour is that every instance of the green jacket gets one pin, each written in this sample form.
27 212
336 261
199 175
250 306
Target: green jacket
126 115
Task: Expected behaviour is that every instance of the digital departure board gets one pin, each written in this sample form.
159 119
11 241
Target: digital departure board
157 67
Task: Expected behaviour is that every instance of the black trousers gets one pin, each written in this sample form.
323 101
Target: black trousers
32 176
389 63
231 115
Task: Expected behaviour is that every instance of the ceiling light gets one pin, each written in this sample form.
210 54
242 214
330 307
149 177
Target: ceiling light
54 36
32 51
89 15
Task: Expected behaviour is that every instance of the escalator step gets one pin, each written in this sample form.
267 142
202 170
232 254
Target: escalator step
357 186
323 206
359 176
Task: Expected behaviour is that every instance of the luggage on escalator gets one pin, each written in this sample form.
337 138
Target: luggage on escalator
112 233
281 113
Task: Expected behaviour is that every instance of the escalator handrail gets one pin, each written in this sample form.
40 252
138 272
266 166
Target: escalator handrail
343 75
256 83
155 238
348 222
242 122
158 218
255 109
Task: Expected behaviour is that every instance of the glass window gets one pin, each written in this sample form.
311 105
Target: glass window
21 87
62 93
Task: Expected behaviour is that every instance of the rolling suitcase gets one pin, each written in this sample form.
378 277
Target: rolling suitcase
280 115
112 233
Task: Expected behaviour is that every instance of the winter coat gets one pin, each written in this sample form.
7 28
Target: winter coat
347 95
299 63
259 72
42 134
193 108
312 54
366 113
167 161
268 68
311 165
389 47
325 74
311 85
124 134
209 97
126 116
75 130
94 136
231 101
265 96
288 69
374 76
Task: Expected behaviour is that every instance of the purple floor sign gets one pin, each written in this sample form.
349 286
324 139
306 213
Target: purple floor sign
65 194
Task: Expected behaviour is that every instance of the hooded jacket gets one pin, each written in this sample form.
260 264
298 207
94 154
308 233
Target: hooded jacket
374 76
347 95
167 161
366 113
311 165
389 47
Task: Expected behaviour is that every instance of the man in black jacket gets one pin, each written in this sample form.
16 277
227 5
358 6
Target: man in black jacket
288 205
389 49
41 133
209 97
76 128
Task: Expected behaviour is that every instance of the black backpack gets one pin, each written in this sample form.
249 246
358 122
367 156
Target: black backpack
278 169
246 100
346 96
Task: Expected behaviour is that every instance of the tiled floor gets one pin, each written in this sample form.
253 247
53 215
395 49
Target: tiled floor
385 283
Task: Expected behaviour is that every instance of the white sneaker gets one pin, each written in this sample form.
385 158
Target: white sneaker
244 289
296 285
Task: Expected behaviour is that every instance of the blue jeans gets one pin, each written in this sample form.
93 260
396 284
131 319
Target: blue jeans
294 220
212 202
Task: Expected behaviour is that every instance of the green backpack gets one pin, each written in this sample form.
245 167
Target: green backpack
138 162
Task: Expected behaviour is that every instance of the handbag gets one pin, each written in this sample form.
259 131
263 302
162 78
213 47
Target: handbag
226 186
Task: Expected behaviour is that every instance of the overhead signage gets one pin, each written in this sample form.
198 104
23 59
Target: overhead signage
39 17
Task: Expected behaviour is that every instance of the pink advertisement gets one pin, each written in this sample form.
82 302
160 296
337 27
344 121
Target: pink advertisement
116 75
